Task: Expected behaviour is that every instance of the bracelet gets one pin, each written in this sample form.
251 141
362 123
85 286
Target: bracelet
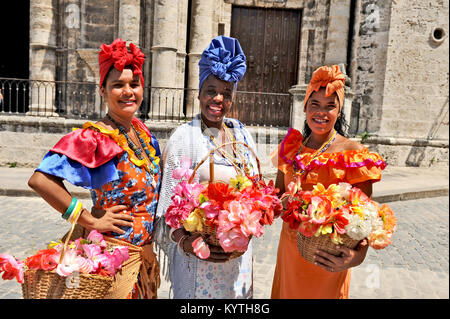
74 216
69 210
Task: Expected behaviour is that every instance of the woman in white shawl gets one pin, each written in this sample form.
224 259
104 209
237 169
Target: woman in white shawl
222 65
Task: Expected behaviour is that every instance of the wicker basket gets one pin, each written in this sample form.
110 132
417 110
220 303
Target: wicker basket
307 246
42 284
209 232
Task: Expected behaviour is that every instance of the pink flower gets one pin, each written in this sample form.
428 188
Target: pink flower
184 201
211 209
92 252
11 268
124 253
201 249
69 264
107 261
250 224
86 266
184 169
233 240
96 238
175 214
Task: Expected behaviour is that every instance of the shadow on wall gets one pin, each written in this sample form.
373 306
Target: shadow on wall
417 152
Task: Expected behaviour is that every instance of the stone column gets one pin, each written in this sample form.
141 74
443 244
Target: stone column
201 34
90 57
297 114
337 35
164 61
129 20
42 58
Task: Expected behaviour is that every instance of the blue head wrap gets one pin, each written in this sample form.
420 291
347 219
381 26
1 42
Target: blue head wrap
223 58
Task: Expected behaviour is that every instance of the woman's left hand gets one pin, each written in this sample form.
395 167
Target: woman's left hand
348 258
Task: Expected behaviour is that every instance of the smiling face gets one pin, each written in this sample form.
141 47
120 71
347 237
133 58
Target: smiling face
322 112
123 93
216 98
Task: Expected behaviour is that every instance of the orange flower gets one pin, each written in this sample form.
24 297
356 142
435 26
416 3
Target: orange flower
389 220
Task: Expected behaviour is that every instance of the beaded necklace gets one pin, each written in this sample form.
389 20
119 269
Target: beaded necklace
322 149
136 150
231 138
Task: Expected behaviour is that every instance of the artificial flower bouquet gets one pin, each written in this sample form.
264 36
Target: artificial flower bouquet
226 214
339 214
45 273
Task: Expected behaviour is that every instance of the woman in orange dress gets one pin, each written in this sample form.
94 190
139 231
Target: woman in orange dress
321 155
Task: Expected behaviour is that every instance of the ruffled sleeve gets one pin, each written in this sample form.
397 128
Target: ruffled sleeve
352 166
88 147
363 166
84 157
283 156
77 174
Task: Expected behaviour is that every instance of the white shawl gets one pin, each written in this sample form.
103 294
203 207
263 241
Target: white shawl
189 140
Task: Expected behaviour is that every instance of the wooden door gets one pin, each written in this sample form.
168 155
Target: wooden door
270 39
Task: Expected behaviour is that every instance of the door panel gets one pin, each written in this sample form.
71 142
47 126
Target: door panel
270 39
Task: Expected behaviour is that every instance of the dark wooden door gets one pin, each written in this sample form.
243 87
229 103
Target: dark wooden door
270 39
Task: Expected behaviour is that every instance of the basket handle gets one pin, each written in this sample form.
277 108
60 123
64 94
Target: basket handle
209 155
68 237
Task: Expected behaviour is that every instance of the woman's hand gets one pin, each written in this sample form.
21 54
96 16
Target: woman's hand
104 220
217 254
349 257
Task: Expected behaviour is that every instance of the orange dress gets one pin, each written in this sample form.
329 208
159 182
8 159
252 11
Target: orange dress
294 277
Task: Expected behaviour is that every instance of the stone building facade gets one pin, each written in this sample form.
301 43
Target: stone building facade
395 54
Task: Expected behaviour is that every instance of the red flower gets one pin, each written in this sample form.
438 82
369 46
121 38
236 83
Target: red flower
44 259
220 193
292 214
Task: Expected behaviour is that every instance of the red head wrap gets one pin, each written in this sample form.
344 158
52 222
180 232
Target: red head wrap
329 77
118 55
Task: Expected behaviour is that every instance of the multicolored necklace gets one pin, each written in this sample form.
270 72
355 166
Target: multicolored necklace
230 136
322 149
138 152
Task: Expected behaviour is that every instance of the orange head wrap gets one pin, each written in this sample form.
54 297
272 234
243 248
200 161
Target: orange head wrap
118 55
331 78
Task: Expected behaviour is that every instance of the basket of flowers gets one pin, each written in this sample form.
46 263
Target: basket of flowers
337 215
79 269
225 214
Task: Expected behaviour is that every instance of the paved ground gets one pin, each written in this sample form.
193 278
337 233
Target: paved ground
414 266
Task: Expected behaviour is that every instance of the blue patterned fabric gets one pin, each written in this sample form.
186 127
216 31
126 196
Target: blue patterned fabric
223 58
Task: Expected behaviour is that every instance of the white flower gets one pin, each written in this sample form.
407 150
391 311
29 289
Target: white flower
344 190
357 227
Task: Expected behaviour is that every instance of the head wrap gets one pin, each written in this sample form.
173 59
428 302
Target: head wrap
118 55
331 78
223 58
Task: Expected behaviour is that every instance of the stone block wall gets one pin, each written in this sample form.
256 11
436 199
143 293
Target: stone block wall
416 83
370 65
25 140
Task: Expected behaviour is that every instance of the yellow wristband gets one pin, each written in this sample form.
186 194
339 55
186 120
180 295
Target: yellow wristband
75 212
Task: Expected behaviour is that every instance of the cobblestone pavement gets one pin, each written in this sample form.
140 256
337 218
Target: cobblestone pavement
414 266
